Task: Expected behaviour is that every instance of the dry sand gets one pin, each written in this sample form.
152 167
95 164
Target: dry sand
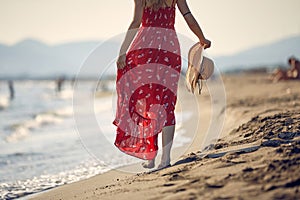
258 156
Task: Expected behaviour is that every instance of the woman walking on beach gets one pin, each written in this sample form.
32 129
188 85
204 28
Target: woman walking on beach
149 65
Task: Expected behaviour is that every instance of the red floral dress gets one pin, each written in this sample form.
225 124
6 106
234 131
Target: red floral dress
147 86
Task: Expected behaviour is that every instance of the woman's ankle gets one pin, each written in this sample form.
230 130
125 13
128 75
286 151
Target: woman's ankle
166 156
149 164
165 160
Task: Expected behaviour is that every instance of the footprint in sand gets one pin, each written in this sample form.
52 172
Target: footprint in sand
176 177
168 184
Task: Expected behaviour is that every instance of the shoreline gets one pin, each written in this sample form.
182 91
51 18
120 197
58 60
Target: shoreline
234 168
113 175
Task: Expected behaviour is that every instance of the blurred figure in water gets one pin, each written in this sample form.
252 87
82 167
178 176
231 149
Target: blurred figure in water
294 71
11 89
59 83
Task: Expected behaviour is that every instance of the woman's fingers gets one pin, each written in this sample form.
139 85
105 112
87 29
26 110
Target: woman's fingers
206 43
121 63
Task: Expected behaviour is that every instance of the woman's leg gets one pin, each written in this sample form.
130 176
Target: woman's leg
167 141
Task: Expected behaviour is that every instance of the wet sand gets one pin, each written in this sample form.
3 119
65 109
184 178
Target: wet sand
257 156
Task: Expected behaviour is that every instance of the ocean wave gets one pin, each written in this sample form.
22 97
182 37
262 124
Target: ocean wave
22 130
4 102
64 112
66 94
22 188
18 134
12 158
102 105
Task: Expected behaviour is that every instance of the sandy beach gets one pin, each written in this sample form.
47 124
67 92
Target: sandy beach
256 157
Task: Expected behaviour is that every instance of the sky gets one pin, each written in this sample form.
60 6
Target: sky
231 25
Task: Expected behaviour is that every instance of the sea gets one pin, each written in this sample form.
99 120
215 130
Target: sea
41 144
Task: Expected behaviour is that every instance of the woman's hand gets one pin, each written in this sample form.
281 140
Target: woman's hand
121 62
206 43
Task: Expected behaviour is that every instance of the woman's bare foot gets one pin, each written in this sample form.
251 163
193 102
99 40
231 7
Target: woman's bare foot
149 164
164 164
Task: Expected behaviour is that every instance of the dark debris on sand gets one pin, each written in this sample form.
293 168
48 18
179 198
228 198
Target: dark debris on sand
279 136
270 130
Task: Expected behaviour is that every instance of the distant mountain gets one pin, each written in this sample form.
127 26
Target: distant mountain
271 54
31 58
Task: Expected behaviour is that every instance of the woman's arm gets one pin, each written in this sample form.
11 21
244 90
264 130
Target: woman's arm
192 23
132 30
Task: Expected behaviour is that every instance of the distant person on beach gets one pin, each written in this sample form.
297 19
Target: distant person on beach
279 75
293 73
149 66
11 89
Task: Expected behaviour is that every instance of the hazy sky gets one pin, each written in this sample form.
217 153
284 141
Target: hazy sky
232 25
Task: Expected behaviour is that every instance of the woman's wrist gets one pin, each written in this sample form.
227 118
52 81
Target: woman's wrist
201 39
